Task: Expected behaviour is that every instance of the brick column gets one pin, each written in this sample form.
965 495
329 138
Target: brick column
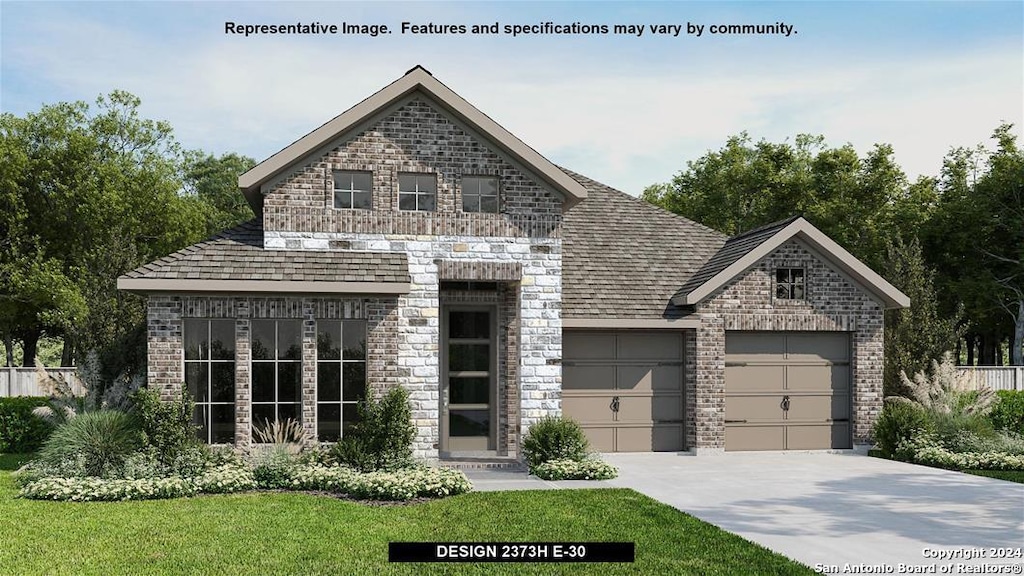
867 378
709 401
165 364
243 378
690 387
508 383
308 372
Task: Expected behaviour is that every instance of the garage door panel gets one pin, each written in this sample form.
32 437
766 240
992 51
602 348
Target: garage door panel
825 378
818 408
648 378
589 345
753 346
645 372
755 438
663 438
588 409
588 378
754 408
754 378
819 437
650 346
601 438
648 408
818 346
811 369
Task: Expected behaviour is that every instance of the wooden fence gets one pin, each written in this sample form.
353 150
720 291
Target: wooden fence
997 377
15 381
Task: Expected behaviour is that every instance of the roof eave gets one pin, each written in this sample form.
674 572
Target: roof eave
416 79
178 285
889 295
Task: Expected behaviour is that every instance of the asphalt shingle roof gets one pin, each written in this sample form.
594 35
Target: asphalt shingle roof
625 258
733 250
238 254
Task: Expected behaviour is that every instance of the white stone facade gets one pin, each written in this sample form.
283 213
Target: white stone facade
419 328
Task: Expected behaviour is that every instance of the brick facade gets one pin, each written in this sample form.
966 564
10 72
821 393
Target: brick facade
832 303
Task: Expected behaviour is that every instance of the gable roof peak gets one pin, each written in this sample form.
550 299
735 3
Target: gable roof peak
417 79
418 67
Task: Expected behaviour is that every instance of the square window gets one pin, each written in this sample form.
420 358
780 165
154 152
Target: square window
789 284
353 190
480 194
417 192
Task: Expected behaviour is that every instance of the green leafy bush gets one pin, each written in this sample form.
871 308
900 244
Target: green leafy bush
554 438
899 422
104 439
21 431
927 449
565 469
1008 411
166 427
382 437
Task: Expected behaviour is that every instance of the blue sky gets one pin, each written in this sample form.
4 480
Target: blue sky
628 111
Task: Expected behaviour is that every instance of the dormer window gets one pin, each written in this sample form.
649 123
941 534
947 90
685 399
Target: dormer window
417 192
353 190
789 284
480 194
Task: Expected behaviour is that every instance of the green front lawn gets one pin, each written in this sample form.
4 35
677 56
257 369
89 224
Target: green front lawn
282 533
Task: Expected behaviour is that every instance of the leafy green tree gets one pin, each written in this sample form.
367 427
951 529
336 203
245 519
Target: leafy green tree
747 184
914 336
96 192
214 181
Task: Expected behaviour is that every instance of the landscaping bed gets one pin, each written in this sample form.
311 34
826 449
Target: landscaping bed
294 533
945 421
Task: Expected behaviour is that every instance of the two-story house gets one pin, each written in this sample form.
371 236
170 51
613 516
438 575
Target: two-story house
412 241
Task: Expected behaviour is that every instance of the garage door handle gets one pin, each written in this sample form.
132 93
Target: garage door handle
785 403
615 404
735 421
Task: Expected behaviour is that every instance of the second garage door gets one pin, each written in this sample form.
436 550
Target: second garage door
787 391
625 389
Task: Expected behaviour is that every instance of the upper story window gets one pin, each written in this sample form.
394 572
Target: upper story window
353 190
417 192
789 284
480 194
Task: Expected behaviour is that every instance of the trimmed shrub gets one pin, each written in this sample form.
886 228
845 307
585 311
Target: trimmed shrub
899 422
1008 411
403 484
554 438
166 427
587 469
382 438
21 431
221 480
104 439
927 449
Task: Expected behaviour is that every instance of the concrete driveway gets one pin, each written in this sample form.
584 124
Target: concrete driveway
834 509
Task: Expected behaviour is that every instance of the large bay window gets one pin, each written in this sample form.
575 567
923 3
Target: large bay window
210 376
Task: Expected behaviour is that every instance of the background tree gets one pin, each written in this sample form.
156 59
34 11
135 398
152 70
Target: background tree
97 192
214 181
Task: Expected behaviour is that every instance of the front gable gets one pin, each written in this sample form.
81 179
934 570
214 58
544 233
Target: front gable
414 136
828 299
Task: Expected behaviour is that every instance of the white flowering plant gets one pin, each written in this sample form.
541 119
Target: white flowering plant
569 469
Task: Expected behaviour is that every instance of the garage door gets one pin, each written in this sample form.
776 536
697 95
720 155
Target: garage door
625 389
787 391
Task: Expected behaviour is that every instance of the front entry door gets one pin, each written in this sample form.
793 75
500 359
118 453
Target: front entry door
468 408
